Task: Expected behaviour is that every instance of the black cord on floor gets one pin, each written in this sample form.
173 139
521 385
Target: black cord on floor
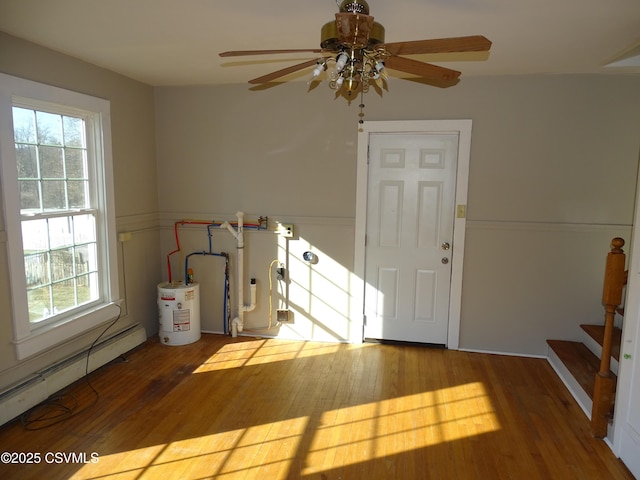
60 407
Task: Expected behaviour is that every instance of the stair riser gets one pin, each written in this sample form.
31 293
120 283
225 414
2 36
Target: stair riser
578 393
596 349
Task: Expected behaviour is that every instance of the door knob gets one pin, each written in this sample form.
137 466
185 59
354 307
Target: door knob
445 246
445 260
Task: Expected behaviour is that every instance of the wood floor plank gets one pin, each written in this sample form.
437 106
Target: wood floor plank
247 408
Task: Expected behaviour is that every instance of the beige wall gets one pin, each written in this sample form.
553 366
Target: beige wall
552 180
553 168
133 135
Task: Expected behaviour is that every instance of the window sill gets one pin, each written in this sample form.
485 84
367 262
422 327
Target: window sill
52 335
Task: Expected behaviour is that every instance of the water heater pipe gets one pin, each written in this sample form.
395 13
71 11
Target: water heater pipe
187 281
237 323
208 223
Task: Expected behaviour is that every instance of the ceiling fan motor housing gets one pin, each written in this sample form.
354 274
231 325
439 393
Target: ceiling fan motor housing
332 38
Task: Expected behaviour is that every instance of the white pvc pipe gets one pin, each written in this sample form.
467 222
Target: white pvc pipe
252 287
228 226
237 324
240 260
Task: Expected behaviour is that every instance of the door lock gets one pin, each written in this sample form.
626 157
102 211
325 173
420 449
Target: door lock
445 260
445 246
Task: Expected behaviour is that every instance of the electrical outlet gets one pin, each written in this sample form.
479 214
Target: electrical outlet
284 316
285 229
280 273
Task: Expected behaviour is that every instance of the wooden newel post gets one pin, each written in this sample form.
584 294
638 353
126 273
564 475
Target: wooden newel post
603 392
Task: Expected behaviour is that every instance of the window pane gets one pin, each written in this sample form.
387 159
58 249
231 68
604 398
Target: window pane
27 161
61 264
51 165
34 236
57 250
53 195
85 288
74 161
37 270
73 131
60 233
29 196
24 125
86 260
88 288
76 193
49 128
39 304
84 229
64 295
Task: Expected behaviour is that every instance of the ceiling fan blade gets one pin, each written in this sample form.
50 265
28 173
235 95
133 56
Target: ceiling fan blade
240 53
421 69
285 71
473 43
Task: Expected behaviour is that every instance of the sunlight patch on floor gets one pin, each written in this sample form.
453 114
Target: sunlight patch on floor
231 454
125 465
236 355
317 443
397 425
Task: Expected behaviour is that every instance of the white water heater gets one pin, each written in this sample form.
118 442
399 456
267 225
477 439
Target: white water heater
179 311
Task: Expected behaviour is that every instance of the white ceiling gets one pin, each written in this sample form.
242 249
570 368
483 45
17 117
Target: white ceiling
176 42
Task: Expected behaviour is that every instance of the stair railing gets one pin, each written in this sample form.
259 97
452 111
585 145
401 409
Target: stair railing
615 279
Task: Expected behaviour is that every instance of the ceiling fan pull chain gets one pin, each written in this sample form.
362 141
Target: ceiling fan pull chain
361 114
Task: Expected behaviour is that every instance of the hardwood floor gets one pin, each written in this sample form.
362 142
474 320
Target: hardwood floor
250 408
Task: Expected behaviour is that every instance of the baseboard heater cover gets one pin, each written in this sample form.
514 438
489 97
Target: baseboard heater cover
31 392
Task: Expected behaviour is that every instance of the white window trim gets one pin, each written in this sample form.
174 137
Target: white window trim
31 339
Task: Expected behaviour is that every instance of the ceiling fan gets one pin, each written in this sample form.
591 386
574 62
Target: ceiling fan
353 44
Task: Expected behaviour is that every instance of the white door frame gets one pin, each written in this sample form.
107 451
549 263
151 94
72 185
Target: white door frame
625 444
463 129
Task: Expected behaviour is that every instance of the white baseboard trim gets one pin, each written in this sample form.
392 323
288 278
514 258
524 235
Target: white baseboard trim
213 332
507 354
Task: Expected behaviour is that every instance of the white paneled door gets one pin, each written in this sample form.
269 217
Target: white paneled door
629 422
411 206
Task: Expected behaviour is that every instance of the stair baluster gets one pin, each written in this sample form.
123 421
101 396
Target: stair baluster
603 393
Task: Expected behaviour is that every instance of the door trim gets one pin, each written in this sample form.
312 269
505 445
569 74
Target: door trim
463 129
626 443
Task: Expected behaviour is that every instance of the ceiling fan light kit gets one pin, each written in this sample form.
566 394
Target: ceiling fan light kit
354 46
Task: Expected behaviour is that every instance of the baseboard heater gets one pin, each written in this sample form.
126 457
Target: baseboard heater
20 398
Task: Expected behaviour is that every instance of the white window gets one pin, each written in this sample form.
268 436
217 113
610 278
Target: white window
55 148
